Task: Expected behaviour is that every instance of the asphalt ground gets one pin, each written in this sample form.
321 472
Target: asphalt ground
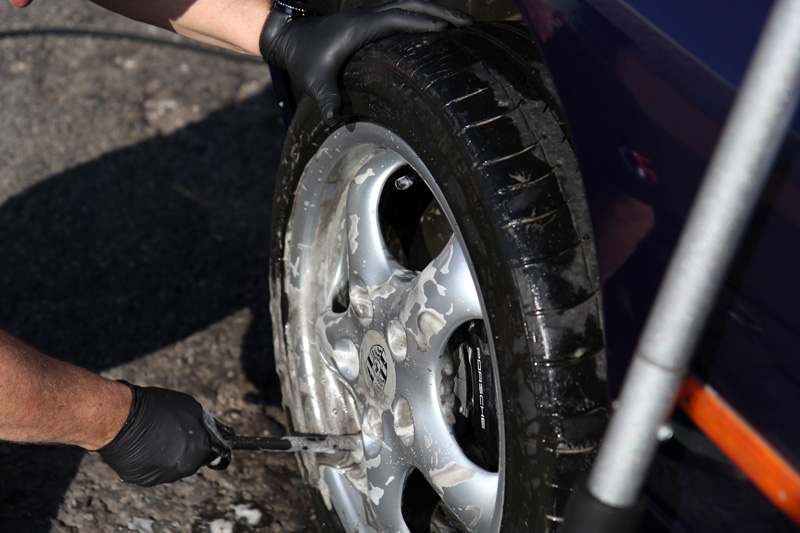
135 190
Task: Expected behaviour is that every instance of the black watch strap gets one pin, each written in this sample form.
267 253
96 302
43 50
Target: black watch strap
280 14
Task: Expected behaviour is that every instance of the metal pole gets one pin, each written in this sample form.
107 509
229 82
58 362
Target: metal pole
730 191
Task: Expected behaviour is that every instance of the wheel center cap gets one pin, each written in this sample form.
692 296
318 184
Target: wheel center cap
377 370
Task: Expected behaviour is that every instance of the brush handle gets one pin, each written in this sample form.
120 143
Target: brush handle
311 444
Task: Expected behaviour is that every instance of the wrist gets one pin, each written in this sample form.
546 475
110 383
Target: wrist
281 14
115 414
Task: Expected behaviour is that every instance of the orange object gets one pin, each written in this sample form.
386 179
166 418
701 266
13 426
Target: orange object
755 457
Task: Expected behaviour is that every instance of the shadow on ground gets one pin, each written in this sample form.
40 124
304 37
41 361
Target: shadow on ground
132 252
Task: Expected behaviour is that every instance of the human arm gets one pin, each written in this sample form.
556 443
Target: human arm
147 435
43 400
230 24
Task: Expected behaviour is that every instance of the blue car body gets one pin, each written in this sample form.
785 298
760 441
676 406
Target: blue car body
646 87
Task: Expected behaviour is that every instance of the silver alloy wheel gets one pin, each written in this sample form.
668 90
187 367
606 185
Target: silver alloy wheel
368 341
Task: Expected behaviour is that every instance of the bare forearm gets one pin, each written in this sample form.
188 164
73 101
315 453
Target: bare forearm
231 24
48 401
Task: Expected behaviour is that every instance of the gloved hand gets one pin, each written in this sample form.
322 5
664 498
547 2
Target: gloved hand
168 435
314 49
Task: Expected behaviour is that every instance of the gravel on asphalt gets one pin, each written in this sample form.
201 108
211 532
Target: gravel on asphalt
135 193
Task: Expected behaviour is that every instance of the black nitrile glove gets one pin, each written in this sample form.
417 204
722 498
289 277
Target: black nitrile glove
314 49
168 435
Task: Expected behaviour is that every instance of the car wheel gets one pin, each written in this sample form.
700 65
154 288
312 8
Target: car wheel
434 289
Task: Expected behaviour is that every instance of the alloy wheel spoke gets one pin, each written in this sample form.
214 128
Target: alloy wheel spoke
385 485
371 264
467 489
471 497
440 299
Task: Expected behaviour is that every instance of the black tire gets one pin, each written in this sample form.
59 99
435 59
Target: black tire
475 106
